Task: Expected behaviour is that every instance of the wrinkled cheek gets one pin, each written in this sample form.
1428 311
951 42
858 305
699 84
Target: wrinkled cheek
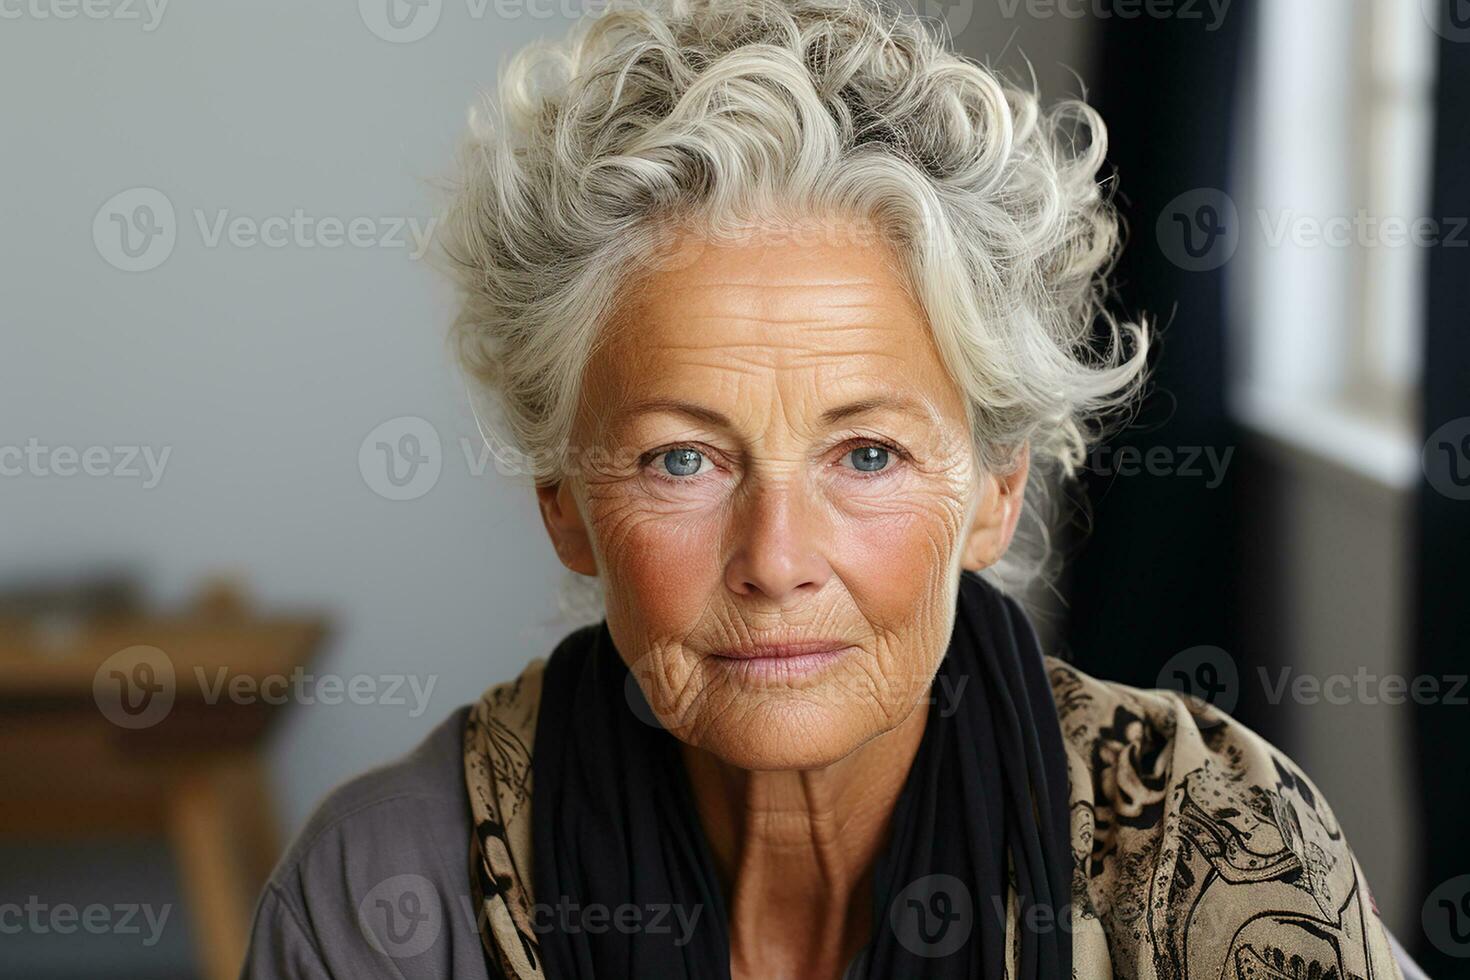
895 566
897 570
659 577
669 570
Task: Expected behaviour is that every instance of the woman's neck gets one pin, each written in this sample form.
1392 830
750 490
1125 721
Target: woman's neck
795 851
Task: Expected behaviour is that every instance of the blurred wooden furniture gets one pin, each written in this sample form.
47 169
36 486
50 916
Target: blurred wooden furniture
69 765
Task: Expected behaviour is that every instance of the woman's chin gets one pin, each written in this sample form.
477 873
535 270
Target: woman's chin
784 731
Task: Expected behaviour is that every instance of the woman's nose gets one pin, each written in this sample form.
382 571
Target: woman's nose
780 538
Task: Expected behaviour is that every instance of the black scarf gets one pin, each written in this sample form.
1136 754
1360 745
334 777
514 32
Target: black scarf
622 866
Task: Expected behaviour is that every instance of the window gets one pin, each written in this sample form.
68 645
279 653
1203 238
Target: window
1332 194
1397 99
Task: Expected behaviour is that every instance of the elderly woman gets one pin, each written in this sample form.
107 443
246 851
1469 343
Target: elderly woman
781 303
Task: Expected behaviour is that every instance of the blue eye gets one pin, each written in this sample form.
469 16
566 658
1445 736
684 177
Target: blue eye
869 459
683 462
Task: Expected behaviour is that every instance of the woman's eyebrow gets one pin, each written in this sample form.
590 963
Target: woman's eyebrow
676 406
894 401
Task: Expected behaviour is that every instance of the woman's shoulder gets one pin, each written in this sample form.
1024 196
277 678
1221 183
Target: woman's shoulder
1199 843
427 780
376 878
423 789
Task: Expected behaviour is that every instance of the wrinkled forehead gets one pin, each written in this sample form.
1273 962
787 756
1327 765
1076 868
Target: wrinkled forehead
736 323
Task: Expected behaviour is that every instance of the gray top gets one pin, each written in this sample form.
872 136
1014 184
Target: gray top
377 884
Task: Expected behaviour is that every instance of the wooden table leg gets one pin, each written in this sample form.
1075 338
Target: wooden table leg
223 840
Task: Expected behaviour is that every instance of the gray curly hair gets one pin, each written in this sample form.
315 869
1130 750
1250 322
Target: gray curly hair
717 114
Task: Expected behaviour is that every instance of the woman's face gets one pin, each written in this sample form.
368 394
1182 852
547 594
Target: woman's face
778 457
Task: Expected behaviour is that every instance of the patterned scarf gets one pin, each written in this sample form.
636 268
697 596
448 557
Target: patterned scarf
1180 845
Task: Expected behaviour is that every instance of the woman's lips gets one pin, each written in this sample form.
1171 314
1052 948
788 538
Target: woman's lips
782 661
779 651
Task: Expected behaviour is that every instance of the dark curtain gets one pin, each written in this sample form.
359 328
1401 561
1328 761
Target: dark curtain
1155 573
1440 609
